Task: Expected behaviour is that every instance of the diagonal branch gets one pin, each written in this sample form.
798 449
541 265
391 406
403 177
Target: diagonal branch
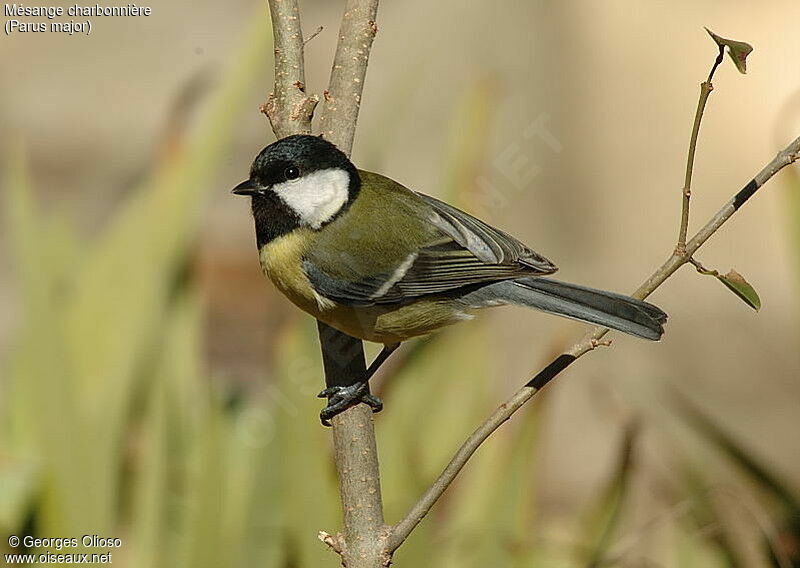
589 341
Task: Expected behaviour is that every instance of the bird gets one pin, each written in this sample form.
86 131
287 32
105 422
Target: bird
382 263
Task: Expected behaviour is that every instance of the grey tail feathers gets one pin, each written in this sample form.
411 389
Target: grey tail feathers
608 309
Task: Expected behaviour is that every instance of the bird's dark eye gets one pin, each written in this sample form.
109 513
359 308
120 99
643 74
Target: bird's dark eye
291 172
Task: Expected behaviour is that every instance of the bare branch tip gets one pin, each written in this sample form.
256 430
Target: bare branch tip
333 542
595 343
315 34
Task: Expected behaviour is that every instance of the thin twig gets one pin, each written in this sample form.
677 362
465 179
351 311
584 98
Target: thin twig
702 269
589 341
717 62
312 36
706 87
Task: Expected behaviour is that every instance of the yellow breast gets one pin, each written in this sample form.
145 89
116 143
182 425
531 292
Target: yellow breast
282 261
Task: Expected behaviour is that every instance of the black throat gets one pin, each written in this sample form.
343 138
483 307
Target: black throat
273 218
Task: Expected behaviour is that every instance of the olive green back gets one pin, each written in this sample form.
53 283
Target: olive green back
383 226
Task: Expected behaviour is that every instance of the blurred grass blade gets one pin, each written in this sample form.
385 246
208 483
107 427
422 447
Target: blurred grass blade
781 547
301 453
468 137
733 449
28 244
793 210
605 514
40 409
706 519
90 323
18 483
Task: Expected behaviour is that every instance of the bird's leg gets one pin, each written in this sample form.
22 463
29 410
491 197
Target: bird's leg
340 398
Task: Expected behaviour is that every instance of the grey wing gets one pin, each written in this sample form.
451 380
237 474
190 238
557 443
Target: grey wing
487 243
468 252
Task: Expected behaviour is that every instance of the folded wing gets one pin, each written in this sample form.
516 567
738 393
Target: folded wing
461 251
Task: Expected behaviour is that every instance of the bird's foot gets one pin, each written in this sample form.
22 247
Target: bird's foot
341 398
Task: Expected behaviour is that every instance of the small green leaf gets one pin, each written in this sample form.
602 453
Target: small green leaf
738 50
736 283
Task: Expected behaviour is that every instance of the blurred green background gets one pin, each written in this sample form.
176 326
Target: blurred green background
155 388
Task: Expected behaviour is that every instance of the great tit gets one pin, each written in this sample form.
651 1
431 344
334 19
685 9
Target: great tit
382 263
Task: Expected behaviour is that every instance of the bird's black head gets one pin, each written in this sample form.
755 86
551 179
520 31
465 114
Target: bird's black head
299 181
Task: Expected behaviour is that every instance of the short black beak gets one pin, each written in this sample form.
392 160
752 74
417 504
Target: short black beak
247 187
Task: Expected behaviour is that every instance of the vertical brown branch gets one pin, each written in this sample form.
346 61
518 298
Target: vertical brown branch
290 110
343 97
288 106
363 541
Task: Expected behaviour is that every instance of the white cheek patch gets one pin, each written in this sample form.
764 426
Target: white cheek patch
315 197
